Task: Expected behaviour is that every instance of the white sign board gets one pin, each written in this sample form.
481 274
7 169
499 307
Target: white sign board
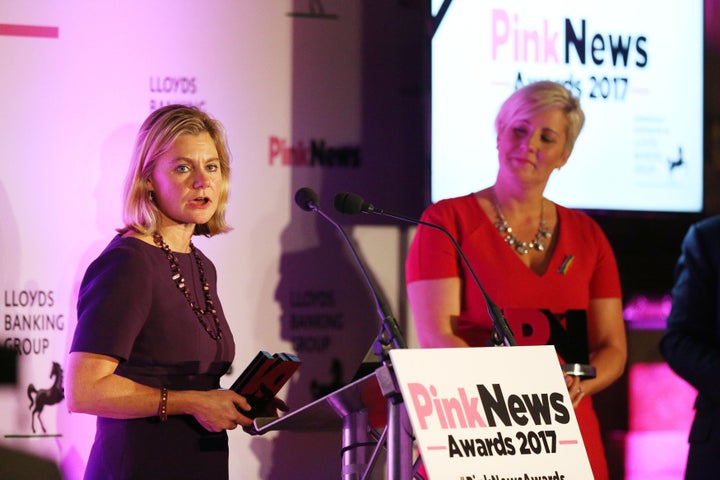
641 134
486 413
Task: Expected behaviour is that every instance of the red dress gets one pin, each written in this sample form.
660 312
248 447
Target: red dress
582 267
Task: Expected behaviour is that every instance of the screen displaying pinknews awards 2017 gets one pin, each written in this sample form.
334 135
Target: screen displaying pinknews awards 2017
636 75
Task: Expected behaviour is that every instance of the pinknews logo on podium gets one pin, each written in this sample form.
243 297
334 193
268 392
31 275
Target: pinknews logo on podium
491 413
463 412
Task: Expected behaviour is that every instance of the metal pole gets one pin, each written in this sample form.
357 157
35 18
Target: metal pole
399 443
355 445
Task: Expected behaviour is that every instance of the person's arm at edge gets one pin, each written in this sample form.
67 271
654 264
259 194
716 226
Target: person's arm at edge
607 343
689 344
94 388
435 306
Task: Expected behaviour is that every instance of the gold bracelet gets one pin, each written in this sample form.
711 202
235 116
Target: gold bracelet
162 409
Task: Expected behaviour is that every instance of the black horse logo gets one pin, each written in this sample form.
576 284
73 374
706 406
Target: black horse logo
50 396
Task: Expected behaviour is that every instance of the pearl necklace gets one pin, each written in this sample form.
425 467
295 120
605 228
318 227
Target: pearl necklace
179 280
538 243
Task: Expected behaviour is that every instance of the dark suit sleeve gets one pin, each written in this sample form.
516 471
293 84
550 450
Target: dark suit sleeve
691 343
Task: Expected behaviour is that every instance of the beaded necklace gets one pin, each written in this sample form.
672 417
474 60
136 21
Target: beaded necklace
538 243
179 280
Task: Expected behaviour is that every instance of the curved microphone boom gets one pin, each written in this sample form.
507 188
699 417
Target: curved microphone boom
307 199
397 437
353 204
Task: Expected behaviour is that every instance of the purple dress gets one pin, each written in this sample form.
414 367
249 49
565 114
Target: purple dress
130 308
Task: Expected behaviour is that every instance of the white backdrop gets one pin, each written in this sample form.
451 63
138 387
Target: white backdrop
79 77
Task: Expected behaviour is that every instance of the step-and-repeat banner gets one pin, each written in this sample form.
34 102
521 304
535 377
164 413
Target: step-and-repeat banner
284 78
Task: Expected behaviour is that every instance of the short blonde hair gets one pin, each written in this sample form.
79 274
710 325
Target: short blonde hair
161 128
540 97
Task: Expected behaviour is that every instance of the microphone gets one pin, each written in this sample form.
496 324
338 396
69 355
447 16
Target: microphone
353 204
307 199
399 441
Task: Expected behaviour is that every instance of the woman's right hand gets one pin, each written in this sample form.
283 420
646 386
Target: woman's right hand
92 387
215 410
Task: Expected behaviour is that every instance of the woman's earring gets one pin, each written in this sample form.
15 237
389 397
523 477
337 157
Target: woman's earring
152 196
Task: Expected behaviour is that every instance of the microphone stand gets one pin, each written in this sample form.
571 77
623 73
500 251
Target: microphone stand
398 432
502 334
390 335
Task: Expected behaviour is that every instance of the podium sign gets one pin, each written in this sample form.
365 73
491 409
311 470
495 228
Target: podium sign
490 413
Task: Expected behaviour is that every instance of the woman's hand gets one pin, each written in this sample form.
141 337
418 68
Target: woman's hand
271 410
575 390
93 388
215 410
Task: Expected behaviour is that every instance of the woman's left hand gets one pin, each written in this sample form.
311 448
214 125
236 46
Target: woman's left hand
575 389
271 410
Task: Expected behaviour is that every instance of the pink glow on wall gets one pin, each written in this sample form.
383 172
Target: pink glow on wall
646 312
659 399
660 414
660 403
